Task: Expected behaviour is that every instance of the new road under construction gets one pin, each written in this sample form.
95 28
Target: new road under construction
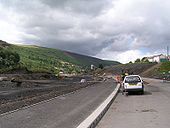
64 111
99 105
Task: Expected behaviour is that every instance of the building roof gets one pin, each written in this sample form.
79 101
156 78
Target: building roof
151 57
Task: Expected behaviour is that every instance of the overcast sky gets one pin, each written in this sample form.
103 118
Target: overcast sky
120 30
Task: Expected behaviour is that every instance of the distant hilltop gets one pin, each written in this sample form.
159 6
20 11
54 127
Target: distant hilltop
4 44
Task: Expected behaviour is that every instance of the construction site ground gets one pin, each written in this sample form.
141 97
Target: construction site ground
28 92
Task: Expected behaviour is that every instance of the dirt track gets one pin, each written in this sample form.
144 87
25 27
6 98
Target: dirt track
29 92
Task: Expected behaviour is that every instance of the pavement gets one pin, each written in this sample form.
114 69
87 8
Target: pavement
151 110
66 111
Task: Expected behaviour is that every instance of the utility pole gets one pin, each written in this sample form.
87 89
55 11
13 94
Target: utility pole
167 51
168 58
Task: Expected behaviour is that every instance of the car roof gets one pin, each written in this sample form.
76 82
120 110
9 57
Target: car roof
132 75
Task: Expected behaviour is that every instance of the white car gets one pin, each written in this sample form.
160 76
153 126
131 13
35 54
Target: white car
133 83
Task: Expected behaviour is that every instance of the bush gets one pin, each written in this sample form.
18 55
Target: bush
165 67
8 58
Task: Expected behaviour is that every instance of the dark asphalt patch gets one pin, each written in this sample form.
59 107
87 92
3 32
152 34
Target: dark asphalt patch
148 110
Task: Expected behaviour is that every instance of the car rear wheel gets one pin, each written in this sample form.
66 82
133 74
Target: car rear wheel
142 92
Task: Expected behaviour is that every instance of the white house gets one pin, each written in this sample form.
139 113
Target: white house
157 58
169 58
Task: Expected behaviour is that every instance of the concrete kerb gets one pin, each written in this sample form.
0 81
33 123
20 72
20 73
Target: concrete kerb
92 120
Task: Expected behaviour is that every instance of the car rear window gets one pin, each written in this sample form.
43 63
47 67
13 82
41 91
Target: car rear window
132 79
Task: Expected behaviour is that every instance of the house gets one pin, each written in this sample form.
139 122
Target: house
168 58
158 58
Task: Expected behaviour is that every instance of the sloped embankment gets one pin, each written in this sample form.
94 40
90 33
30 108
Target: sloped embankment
136 68
151 72
158 71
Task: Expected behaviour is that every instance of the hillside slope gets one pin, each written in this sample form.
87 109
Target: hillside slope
151 70
41 59
135 68
3 44
160 70
87 60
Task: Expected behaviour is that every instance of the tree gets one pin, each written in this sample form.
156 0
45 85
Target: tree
101 66
130 62
144 59
147 61
137 60
16 58
8 58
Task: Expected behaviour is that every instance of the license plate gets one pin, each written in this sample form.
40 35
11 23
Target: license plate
132 84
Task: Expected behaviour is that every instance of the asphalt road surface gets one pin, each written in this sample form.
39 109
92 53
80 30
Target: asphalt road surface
151 110
62 112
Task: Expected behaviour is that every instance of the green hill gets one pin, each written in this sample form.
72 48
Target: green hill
41 59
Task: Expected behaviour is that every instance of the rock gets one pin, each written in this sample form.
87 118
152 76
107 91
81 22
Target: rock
3 78
83 81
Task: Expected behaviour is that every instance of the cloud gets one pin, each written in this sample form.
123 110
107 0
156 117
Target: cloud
85 7
90 27
124 57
